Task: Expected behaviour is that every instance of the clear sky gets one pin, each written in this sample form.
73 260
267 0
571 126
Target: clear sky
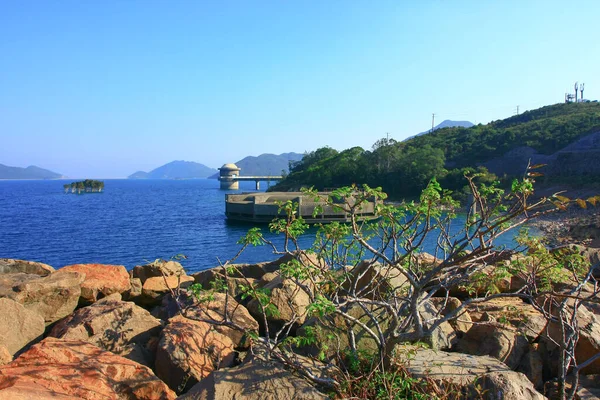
102 89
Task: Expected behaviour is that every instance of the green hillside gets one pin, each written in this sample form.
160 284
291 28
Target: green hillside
402 169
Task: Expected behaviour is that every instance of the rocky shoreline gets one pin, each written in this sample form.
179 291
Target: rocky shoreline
91 331
573 226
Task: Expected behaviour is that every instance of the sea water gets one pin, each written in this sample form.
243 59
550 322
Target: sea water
132 222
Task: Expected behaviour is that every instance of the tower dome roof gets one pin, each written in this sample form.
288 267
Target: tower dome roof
230 167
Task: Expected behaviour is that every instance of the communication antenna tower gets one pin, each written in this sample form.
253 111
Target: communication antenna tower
581 90
576 88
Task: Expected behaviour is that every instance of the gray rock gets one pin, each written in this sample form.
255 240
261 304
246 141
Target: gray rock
256 379
53 297
117 326
497 380
10 266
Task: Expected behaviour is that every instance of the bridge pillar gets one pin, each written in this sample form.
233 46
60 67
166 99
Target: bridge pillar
227 175
257 185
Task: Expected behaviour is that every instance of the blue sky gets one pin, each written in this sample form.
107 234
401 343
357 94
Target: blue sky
105 88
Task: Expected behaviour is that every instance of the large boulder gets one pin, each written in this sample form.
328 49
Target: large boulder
588 344
504 329
496 379
512 312
53 297
10 266
155 288
5 356
63 369
190 350
372 280
494 339
207 278
255 379
18 326
333 331
221 308
441 338
289 299
100 280
157 268
461 323
117 326
253 272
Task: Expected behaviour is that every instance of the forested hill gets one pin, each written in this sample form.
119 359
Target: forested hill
404 168
547 130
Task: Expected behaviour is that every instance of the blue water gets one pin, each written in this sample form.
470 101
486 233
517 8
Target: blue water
132 222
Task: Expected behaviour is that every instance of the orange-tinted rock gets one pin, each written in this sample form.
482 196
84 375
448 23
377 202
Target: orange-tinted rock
100 280
190 350
156 287
61 369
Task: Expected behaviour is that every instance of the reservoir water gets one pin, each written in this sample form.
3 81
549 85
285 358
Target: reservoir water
131 222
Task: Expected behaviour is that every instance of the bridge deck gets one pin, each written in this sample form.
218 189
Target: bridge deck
253 178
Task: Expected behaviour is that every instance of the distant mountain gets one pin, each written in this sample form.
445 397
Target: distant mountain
31 172
138 175
176 170
445 124
265 164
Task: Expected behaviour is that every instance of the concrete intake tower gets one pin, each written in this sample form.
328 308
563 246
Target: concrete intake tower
230 177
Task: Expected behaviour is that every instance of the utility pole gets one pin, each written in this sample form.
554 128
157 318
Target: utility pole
432 121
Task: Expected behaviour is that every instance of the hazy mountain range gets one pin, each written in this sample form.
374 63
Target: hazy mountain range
31 172
176 170
264 164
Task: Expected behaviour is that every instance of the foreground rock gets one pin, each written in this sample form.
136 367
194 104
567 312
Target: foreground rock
117 326
18 326
5 356
495 378
291 302
53 297
190 350
158 268
255 379
156 288
10 266
587 346
100 280
244 273
60 369
220 309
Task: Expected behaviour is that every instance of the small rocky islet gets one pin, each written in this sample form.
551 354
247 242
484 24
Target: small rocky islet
93 331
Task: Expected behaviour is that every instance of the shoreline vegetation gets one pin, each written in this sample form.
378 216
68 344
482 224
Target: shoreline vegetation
85 186
362 313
